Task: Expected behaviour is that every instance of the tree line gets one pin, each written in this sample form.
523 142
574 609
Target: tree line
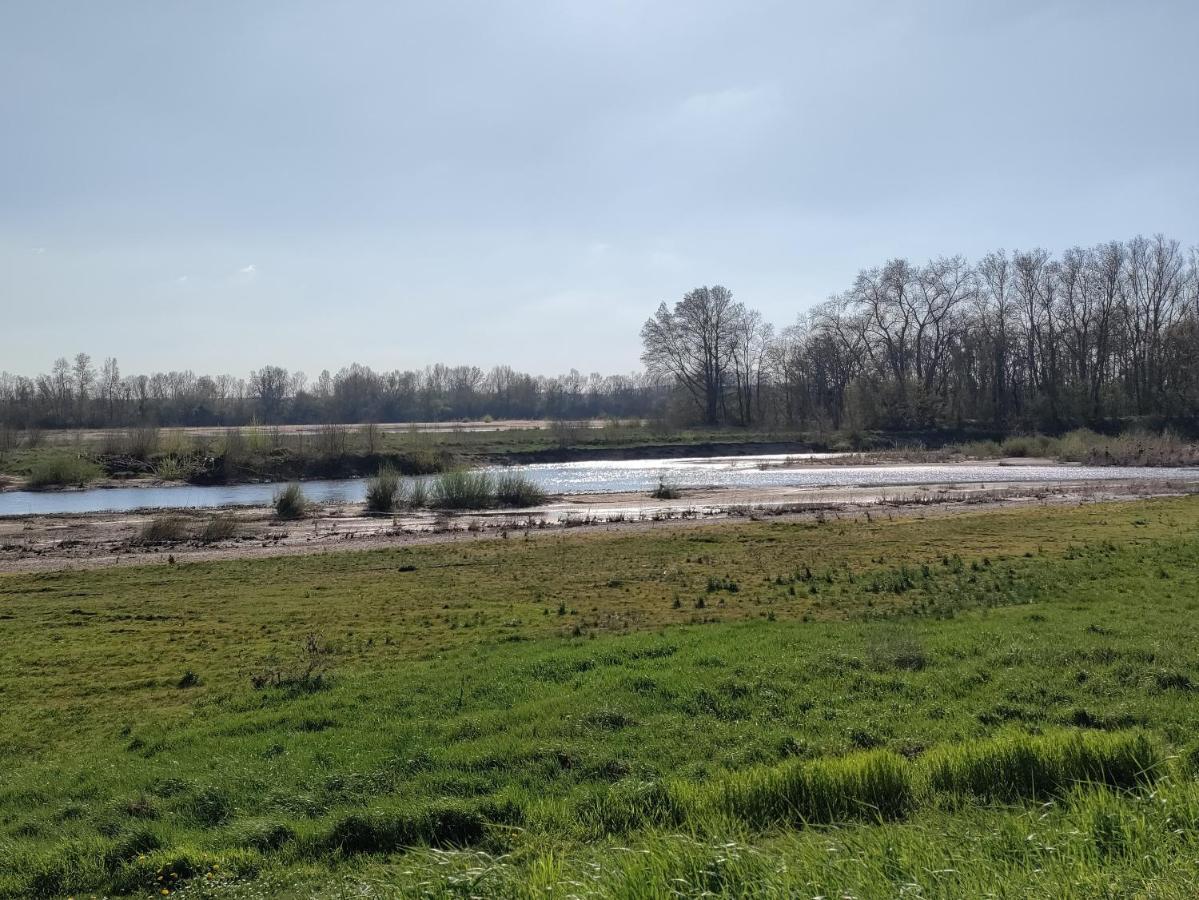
1022 340
77 393
1013 341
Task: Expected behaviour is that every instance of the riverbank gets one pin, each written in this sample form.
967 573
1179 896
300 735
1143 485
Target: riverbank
150 458
43 543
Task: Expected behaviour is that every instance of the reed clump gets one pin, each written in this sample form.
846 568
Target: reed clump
385 491
482 490
290 502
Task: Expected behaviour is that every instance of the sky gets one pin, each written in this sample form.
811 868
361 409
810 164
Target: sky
219 186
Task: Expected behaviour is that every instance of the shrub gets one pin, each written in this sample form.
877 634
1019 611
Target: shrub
666 491
163 530
463 490
514 489
290 502
218 528
384 491
62 469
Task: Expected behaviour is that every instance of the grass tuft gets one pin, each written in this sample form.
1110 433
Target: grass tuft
163 530
221 527
290 502
516 490
385 491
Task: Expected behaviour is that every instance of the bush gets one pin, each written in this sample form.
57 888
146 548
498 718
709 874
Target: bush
384 491
514 489
163 530
62 469
290 502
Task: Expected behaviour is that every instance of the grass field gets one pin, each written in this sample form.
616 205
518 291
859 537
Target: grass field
993 704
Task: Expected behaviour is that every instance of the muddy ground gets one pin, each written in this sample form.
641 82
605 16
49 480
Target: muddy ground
50 543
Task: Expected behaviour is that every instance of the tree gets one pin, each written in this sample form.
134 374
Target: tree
693 345
269 386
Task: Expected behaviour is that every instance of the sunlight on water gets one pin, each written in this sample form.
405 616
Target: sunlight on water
604 477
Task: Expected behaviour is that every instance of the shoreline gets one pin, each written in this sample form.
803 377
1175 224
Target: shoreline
63 541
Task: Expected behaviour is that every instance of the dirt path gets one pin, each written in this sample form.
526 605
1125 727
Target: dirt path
97 540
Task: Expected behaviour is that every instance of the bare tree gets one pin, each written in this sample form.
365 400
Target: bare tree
693 345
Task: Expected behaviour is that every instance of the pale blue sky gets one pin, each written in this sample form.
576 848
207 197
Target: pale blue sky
221 185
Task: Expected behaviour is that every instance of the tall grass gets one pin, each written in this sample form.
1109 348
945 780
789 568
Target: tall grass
418 494
163 530
1021 767
876 785
290 502
514 489
60 470
463 490
480 490
220 527
385 491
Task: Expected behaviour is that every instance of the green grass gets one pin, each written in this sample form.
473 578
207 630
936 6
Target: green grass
987 702
60 469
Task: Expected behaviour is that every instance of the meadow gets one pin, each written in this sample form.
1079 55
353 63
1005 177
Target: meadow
998 703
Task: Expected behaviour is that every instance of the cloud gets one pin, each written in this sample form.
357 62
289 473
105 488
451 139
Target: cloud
732 105
248 270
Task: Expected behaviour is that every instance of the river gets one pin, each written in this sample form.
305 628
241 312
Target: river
605 477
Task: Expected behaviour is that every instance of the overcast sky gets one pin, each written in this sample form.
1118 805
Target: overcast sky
221 185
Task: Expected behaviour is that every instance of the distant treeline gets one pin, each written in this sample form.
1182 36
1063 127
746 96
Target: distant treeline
77 394
1014 341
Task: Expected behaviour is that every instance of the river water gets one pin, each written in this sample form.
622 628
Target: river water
601 478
